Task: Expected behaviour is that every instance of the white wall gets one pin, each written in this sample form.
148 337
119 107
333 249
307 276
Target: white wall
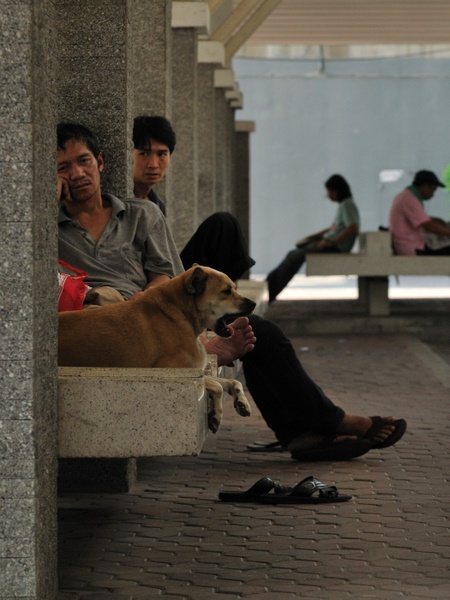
357 118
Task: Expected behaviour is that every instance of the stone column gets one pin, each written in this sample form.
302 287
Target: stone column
151 69
223 81
94 46
234 101
242 174
94 84
189 19
28 323
210 56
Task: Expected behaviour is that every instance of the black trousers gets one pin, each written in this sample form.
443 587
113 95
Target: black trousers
278 279
288 399
445 251
290 402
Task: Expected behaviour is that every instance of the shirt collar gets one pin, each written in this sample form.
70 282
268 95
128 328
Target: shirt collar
415 191
117 207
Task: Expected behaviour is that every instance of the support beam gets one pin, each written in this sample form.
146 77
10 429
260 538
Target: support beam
251 25
234 21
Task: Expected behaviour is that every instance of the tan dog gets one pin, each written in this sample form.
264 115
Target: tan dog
160 329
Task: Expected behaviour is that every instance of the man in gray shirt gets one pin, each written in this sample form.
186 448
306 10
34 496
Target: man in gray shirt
125 245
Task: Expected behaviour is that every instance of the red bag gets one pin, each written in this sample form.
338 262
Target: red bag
72 289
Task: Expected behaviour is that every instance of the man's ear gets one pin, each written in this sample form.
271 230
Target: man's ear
100 162
196 283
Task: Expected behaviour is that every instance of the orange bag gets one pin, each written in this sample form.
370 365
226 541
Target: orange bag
72 289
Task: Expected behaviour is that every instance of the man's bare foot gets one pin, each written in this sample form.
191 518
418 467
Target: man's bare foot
242 340
359 426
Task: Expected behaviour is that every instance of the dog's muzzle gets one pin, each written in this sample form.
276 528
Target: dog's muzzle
221 329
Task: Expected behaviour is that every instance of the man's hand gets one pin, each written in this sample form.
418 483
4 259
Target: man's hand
135 296
62 191
325 244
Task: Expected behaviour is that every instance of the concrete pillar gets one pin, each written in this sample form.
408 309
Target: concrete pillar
223 81
242 174
151 69
94 49
28 302
94 87
189 19
210 56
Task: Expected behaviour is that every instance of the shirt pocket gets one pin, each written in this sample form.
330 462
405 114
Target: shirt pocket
131 262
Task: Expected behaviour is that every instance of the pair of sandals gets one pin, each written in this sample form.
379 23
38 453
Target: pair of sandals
330 451
267 491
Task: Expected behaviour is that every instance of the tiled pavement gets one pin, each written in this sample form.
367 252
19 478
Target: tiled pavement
172 538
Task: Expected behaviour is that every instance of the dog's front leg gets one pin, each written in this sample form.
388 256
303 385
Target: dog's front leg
236 391
215 409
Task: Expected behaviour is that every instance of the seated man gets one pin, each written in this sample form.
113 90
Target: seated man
339 237
125 245
218 242
409 223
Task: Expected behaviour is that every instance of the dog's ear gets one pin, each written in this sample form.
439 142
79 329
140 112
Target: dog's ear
196 283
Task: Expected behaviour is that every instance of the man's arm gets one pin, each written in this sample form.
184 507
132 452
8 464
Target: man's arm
313 237
348 232
437 226
154 279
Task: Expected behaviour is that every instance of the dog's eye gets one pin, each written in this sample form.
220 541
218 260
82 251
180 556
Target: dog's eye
227 292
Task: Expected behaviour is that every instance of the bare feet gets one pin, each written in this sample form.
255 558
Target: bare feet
242 340
359 426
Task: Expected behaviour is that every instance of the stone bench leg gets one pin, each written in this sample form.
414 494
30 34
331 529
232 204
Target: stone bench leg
373 293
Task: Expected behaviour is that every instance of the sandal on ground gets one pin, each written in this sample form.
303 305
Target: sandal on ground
259 446
377 424
263 487
308 491
330 451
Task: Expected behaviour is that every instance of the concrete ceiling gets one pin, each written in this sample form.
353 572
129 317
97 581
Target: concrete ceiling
337 22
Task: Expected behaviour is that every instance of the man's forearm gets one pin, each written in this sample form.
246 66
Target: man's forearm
437 226
156 279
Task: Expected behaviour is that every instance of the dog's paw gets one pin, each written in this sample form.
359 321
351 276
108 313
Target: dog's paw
213 422
242 407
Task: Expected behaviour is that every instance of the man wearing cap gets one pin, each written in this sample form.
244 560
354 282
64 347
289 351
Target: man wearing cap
409 223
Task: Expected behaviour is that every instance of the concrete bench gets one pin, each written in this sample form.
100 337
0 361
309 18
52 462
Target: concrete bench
374 263
123 413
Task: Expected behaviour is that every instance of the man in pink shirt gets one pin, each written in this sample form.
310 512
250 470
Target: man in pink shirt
408 220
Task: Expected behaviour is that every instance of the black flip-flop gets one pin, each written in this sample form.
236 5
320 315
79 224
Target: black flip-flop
334 451
263 487
396 435
267 491
266 447
308 491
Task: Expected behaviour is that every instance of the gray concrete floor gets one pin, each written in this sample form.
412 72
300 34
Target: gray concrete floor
172 538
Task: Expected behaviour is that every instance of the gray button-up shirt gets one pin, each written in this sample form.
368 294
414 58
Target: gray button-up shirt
135 241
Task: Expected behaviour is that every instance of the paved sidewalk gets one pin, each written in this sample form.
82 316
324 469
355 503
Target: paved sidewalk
172 538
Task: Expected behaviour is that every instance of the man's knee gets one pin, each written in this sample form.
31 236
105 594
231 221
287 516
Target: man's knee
102 296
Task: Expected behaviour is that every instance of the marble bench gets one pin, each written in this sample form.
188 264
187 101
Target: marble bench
374 263
124 413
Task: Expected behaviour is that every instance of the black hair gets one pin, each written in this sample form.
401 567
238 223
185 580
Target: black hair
157 128
75 131
339 185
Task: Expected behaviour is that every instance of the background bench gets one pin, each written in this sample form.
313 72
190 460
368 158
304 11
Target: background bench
374 263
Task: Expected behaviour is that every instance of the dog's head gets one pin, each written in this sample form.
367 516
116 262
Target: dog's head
216 298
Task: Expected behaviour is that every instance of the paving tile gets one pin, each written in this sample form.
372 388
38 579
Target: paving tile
172 538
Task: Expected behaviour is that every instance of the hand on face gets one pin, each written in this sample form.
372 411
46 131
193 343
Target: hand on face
63 191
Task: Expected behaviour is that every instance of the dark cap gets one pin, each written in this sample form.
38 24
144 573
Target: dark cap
427 178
